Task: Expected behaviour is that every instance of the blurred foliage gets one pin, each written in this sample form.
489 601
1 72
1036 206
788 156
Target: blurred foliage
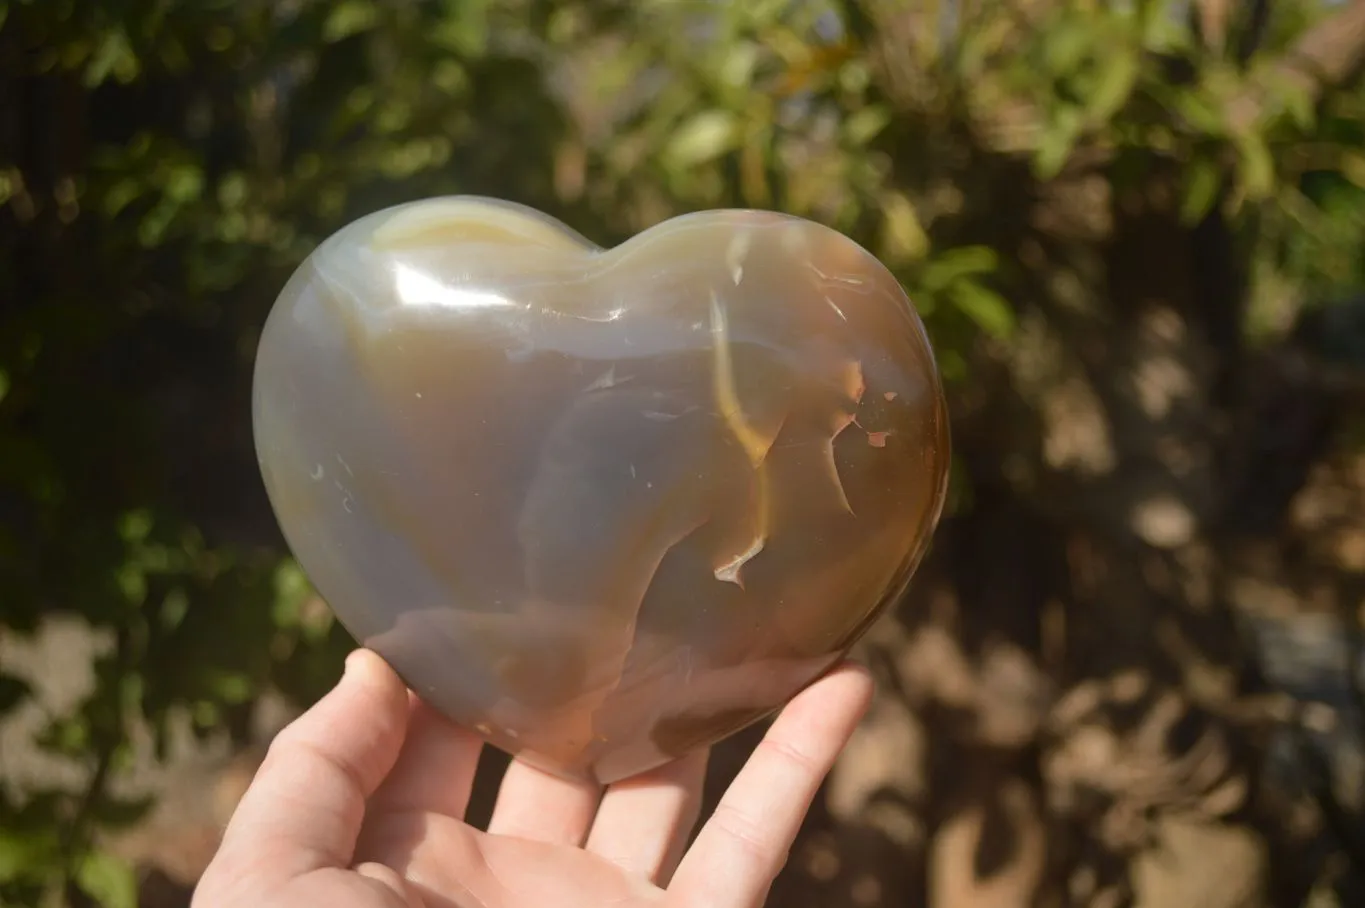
165 163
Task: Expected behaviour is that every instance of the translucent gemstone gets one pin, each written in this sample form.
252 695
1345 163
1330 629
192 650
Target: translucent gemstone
604 506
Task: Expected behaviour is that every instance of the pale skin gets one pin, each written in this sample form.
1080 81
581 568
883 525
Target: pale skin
361 801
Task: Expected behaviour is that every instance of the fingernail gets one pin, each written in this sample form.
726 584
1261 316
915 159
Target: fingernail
351 659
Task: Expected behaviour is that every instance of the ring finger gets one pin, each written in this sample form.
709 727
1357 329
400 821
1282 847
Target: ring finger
643 823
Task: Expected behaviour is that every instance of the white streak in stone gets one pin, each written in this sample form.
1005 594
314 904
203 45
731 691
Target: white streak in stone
737 252
729 572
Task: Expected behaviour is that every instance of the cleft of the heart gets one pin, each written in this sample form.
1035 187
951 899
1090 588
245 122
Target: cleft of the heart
605 506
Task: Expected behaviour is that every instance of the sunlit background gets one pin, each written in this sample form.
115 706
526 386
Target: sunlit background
1137 233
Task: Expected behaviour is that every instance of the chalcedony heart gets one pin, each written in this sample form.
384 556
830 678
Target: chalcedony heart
603 506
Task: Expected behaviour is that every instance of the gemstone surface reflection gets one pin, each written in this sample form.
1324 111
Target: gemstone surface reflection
604 506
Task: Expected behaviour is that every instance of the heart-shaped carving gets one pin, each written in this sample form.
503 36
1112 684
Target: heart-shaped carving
604 506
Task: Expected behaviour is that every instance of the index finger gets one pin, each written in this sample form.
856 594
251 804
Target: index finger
304 808
745 843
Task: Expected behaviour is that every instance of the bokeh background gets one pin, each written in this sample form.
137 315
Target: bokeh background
1136 228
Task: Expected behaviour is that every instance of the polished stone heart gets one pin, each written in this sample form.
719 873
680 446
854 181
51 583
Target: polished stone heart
604 506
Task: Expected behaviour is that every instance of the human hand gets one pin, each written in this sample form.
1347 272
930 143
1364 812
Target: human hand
360 803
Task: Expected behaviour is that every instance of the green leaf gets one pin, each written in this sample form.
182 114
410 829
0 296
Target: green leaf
1200 111
231 687
866 124
232 190
135 526
109 880
1118 75
1292 96
350 17
958 263
174 608
115 57
23 852
152 230
67 735
1163 33
952 365
1302 108
990 310
1067 44
1257 166
464 28
120 196
905 237
1203 180
704 137
185 183
132 583
1352 168
737 69
291 589
1054 149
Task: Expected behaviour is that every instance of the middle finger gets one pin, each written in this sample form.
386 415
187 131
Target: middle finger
533 804
435 770
643 823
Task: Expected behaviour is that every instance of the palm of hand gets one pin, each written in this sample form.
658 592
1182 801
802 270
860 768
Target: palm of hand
361 804
454 865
